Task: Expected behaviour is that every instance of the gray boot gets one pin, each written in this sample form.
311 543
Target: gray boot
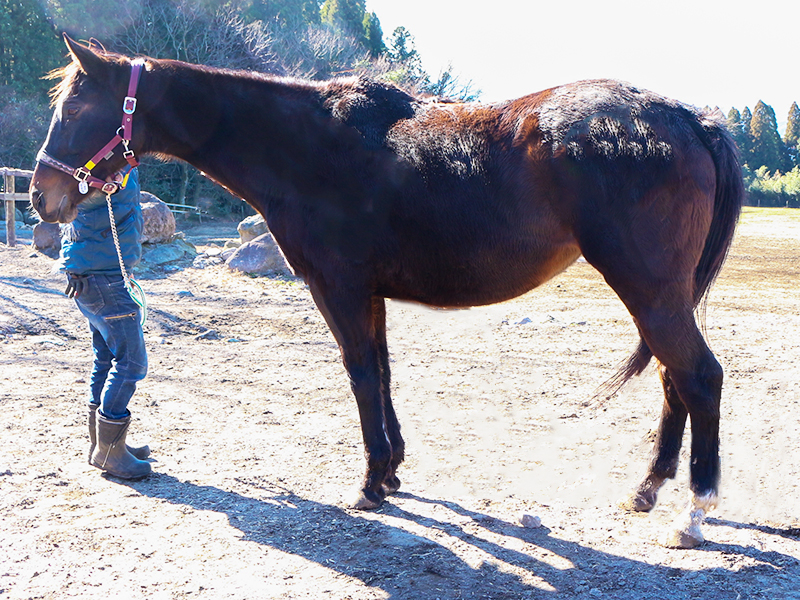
110 453
141 452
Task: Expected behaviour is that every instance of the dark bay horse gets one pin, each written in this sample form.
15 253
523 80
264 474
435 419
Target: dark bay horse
372 193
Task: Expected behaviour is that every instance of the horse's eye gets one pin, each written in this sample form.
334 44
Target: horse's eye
71 111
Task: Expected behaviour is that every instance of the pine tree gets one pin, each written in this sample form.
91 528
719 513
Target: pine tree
792 135
736 127
374 35
768 148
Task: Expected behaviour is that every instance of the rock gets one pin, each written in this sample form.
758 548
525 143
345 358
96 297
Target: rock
18 216
252 227
47 238
260 256
208 334
159 222
530 522
154 255
202 261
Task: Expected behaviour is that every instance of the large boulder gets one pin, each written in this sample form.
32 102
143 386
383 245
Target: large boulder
47 238
260 256
159 222
252 227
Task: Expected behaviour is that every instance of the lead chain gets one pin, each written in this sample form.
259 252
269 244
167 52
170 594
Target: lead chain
134 289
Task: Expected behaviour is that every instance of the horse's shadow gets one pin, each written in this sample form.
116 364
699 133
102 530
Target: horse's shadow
407 565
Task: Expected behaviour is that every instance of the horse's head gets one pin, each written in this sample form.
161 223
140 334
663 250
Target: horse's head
88 111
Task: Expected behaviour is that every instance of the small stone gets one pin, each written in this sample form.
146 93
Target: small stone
185 294
524 321
530 521
209 334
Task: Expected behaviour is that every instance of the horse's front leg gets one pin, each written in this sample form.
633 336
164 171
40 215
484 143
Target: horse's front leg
352 321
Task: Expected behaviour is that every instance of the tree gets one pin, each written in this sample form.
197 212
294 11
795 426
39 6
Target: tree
292 14
740 132
792 135
374 35
448 85
768 148
30 47
346 16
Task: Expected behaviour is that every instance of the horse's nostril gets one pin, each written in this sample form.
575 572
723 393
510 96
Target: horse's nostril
37 199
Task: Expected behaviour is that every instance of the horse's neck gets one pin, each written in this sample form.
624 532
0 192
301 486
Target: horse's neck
233 128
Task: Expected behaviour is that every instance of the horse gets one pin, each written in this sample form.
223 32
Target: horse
373 193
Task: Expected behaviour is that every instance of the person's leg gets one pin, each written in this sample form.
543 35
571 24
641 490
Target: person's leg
115 318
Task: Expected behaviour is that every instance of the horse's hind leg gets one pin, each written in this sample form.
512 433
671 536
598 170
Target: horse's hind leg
391 483
666 451
692 378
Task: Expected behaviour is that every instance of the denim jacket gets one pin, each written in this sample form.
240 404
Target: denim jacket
87 244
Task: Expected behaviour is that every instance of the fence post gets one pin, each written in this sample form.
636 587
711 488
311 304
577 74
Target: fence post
11 210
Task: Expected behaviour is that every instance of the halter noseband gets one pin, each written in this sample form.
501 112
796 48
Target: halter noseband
84 174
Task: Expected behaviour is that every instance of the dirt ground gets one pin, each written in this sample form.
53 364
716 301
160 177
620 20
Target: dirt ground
257 447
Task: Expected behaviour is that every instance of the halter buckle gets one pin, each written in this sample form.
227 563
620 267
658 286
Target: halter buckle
110 188
129 105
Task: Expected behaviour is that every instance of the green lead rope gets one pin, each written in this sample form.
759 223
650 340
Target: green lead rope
134 289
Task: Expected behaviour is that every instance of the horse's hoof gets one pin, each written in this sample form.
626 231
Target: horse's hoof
366 500
391 485
683 539
638 503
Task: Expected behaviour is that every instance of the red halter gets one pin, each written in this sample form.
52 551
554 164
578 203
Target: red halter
84 174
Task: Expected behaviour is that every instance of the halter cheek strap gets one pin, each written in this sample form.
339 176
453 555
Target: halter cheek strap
84 174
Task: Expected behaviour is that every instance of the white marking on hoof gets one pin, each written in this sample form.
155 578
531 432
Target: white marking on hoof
686 532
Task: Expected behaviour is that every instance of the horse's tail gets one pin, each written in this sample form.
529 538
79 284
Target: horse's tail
727 207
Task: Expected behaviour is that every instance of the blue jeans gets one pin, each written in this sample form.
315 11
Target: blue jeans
120 357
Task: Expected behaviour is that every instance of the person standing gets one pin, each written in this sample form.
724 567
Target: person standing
94 280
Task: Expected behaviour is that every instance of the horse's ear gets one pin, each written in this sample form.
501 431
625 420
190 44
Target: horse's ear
90 62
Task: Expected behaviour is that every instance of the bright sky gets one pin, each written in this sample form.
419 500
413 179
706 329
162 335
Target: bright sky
704 52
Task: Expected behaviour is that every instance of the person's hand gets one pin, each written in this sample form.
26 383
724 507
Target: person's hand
75 286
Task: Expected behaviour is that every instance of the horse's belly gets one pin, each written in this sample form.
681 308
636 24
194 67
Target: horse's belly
481 277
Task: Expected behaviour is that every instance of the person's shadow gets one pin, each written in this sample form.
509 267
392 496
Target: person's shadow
408 566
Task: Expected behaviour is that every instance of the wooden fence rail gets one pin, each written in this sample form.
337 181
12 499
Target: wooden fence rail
10 197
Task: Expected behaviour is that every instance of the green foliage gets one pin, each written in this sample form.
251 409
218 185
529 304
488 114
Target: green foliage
447 85
792 135
24 120
777 189
345 16
373 34
771 169
292 14
768 149
30 47
741 135
401 49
